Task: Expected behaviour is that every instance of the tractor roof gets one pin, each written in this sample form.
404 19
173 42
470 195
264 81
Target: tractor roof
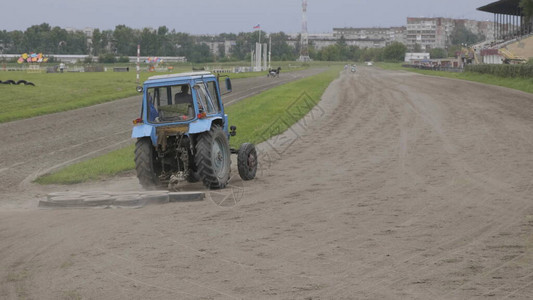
181 76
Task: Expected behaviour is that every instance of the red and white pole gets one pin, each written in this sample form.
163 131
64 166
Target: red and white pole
138 62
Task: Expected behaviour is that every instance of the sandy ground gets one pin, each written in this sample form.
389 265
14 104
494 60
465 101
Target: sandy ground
398 186
36 146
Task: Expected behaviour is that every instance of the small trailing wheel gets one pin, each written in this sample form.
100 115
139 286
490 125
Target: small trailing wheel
247 161
212 158
146 164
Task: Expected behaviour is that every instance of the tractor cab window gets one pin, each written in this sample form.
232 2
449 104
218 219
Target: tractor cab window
170 104
212 89
205 102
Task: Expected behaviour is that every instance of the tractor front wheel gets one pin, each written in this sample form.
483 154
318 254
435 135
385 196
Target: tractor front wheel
247 161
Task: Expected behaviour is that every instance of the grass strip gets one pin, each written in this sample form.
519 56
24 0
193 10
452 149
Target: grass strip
97 168
60 92
521 84
257 118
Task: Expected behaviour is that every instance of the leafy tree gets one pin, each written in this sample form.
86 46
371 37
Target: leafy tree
106 41
438 53
243 45
280 48
96 42
17 38
107 58
76 43
461 35
58 41
353 53
343 48
5 41
394 52
372 54
221 51
330 53
164 42
149 43
183 44
124 41
200 54
453 49
527 8
337 52
35 36
312 51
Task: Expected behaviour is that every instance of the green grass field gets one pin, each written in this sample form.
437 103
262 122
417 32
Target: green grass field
257 119
101 167
522 84
55 92
60 92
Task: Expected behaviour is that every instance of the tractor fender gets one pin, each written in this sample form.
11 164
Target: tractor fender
201 125
144 130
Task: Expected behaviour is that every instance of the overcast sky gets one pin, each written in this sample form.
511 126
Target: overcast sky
217 16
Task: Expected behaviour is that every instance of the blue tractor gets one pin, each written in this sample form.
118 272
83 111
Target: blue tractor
183 133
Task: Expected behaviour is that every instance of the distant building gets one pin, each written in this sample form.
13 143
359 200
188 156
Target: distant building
217 46
410 57
430 33
318 40
510 20
491 56
387 34
88 31
375 37
424 61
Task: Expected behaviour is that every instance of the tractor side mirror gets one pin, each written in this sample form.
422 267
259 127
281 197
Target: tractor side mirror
228 85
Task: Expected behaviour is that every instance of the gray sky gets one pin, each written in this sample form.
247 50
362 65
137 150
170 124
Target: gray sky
217 16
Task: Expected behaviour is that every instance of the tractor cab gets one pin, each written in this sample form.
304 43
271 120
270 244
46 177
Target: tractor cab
182 133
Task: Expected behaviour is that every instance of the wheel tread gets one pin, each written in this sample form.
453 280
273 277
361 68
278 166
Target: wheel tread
144 164
203 161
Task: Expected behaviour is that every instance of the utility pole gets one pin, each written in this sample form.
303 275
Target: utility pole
304 41
270 53
138 64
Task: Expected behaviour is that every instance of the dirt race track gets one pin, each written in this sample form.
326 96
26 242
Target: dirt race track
399 186
35 146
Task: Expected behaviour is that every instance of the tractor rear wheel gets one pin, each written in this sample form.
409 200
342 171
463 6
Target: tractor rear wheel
146 164
247 161
212 158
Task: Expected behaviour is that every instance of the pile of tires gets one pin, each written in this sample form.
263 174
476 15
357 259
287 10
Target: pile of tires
17 82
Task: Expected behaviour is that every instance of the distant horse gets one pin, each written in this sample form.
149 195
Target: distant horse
274 72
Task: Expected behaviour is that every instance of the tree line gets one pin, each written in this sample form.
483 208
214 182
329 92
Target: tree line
123 41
